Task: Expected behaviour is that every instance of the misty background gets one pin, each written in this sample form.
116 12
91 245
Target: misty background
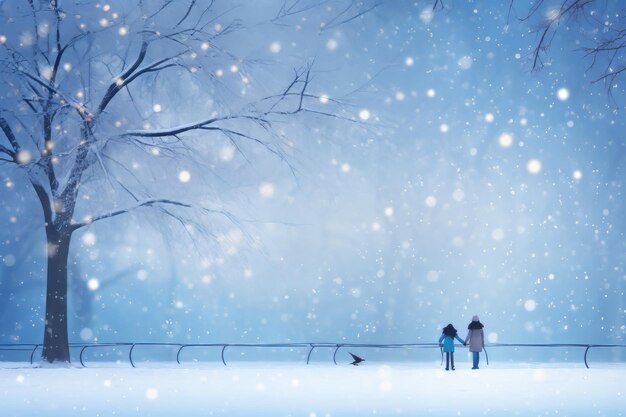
456 182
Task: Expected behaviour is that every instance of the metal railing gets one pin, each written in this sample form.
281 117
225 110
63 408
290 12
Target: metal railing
33 347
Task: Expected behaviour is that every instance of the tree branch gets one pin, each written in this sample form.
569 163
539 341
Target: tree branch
193 2
547 28
291 10
172 131
147 203
44 200
53 90
358 14
8 132
118 82
123 82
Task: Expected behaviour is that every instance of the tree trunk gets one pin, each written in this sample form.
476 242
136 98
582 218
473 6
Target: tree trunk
55 341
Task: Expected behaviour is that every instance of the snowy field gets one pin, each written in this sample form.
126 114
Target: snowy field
286 389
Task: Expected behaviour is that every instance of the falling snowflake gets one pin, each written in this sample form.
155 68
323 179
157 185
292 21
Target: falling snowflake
266 189
9 260
86 334
152 393
275 47
184 176
534 166
227 153
505 140
562 94
458 195
89 238
465 62
530 305
432 276
332 44
497 234
93 284
427 14
431 201
23 157
27 39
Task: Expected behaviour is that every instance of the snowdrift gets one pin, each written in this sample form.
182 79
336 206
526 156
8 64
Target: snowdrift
316 390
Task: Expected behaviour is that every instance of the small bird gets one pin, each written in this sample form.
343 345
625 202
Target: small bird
357 360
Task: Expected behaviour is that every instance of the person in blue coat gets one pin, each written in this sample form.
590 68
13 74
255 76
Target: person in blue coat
447 337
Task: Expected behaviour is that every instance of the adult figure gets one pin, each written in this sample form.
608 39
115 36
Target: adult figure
476 339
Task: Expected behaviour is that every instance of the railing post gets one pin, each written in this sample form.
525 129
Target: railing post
33 354
335 354
130 355
587 350
178 353
310 351
223 360
80 357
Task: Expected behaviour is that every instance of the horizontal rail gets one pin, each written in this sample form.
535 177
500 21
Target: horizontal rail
33 347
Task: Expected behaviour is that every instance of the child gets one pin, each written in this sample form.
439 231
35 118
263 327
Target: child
476 339
448 336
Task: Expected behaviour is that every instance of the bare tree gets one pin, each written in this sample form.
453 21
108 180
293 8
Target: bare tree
341 12
71 111
601 21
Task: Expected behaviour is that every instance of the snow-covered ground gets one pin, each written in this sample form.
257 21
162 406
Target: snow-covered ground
317 390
